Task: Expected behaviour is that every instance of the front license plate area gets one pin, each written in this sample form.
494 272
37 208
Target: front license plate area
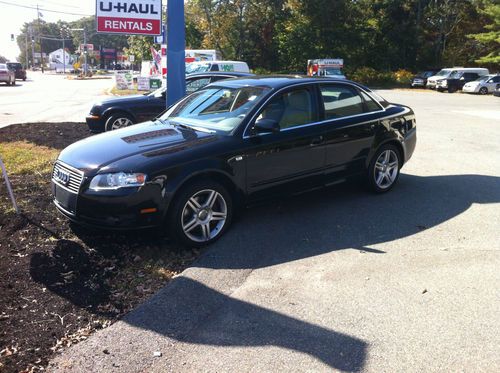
66 200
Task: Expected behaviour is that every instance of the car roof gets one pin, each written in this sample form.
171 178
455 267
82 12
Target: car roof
281 81
223 73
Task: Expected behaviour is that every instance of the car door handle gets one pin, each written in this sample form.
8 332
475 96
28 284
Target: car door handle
317 141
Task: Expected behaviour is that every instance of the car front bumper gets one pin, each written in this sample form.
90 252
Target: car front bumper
418 83
470 89
129 209
95 123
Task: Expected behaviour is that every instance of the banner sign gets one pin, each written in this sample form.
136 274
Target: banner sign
140 17
124 80
143 83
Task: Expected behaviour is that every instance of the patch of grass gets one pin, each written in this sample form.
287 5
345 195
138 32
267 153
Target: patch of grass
22 157
125 92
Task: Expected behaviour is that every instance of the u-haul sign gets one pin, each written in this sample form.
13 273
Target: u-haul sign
141 17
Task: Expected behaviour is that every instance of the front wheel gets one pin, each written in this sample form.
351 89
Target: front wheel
383 171
200 214
117 121
483 91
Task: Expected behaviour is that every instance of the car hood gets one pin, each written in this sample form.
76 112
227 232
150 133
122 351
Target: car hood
98 151
122 100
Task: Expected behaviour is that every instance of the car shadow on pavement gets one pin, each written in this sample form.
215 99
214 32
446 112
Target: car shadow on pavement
300 227
346 217
190 312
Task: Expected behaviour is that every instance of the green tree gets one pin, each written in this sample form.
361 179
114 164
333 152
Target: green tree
491 38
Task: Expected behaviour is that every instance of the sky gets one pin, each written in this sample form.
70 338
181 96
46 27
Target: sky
12 18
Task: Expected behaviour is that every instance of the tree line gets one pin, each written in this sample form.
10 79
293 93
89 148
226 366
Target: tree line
281 35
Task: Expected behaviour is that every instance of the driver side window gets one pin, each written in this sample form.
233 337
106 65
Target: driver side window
291 109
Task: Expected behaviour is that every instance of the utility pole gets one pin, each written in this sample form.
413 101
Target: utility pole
26 50
32 46
63 37
85 51
40 36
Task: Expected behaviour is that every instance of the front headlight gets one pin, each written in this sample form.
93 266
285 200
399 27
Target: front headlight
117 181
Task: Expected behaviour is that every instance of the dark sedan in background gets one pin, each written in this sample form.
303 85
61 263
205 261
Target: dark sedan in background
18 69
420 80
233 142
122 112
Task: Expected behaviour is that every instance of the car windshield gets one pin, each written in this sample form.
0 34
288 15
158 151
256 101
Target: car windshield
455 75
443 72
482 78
215 108
331 71
159 93
197 67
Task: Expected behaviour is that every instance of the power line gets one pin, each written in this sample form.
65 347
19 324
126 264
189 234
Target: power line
61 4
45 9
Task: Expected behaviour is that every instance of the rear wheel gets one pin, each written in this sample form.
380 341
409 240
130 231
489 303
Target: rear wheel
200 214
118 120
483 91
384 169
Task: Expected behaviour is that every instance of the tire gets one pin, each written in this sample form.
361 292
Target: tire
118 120
483 91
386 161
189 220
24 79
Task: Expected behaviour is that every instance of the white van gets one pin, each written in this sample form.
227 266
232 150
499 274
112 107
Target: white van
445 74
227 66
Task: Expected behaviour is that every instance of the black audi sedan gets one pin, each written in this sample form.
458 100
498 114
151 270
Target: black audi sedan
228 144
122 112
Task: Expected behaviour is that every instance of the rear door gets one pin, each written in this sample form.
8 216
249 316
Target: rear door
351 117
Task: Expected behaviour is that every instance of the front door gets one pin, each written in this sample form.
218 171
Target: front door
295 155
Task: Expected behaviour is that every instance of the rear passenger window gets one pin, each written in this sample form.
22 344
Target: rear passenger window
340 101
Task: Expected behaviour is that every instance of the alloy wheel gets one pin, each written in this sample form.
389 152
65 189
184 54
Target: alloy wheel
204 215
483 91
386 169
121 123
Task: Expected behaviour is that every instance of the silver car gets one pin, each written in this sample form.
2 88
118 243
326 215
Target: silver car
7 75
482 85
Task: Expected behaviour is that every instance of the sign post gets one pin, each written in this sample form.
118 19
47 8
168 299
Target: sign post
176 54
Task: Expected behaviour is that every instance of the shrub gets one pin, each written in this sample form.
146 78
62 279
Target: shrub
369 76
403 76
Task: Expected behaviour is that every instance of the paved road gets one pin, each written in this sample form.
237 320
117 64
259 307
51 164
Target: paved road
342 280
49 98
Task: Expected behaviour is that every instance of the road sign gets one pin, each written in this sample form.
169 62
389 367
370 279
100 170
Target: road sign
141 17
90 47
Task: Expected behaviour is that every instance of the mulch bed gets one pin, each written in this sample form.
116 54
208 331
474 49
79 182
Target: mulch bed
60 282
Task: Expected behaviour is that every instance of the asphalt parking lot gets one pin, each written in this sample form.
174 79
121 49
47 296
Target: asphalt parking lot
342 279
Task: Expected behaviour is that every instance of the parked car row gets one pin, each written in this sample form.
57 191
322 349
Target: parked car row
469 80
229 143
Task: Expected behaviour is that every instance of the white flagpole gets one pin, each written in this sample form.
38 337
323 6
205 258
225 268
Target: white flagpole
9 187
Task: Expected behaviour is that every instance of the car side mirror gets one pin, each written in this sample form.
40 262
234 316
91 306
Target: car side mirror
266 125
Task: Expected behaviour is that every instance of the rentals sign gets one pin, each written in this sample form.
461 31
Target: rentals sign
141 17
